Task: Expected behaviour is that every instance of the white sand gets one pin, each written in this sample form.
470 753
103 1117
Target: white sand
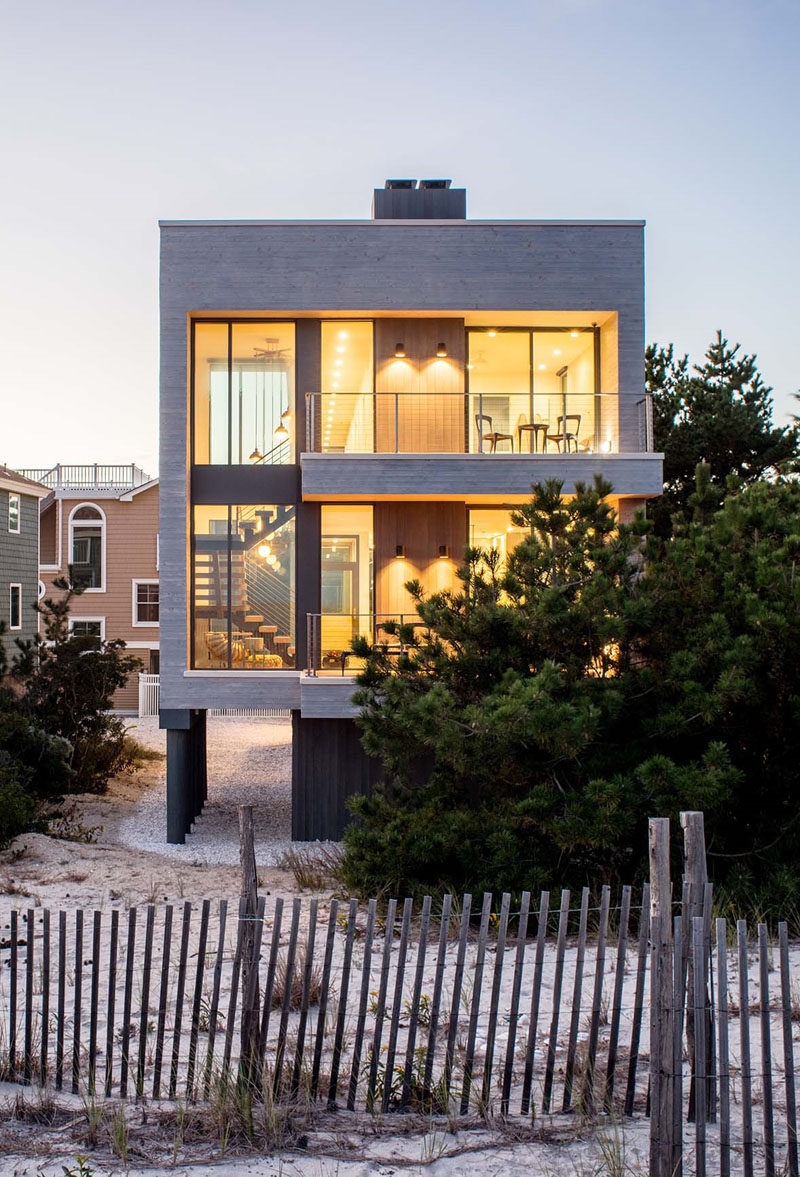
249 763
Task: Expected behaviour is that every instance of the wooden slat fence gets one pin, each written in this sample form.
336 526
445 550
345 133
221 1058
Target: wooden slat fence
469 1006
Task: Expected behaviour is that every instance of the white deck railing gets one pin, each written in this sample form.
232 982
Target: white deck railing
149 691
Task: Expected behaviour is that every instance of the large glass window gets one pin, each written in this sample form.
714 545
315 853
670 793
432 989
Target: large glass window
535 391
243 390
491 529
87 544
344 413
346 579
243 588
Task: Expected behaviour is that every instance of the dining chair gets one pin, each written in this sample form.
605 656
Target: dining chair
490 434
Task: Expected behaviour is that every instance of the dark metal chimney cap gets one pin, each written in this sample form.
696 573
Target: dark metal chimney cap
435 183
400 184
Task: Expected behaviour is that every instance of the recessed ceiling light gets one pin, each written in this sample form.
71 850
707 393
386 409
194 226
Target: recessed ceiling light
491 333
542 367
557 351
340 347
334 384
337 363
574 334
343 335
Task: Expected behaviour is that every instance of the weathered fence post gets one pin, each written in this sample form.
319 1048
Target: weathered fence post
695 877
661 1015
248 913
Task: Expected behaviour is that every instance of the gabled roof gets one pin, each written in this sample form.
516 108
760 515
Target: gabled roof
19 484
130 494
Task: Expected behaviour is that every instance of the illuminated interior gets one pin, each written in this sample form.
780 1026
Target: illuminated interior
243 587
345 414
346 573
533 391
491 529
244 393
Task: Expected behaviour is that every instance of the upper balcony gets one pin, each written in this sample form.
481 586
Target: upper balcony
368 445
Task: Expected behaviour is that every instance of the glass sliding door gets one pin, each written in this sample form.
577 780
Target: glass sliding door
565 395
499 380
346 574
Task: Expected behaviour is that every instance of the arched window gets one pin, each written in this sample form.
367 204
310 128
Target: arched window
87 548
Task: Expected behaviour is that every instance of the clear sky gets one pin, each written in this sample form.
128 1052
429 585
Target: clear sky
116 113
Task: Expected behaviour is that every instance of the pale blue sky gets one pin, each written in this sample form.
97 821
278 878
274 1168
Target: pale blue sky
116 113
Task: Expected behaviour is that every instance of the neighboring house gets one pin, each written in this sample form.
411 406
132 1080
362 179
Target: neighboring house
19 556
344 405
99 526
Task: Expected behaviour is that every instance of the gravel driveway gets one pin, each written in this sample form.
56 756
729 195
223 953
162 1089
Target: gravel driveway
249 763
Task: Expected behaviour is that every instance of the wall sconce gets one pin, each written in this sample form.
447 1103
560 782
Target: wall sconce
399 352
400 552
444 552
441 351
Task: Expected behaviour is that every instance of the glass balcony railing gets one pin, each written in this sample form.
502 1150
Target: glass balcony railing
330 638
469 423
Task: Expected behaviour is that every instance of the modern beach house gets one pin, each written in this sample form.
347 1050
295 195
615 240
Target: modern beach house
344 406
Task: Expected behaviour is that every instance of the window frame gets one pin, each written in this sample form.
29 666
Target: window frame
100 620
135 603
18 586
15 498
80 523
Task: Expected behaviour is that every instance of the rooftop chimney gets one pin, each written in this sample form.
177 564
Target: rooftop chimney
428 200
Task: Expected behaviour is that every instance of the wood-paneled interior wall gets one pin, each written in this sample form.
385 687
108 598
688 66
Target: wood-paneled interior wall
430 419
421 528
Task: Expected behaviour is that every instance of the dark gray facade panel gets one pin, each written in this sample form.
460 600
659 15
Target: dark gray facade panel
245 484
329 765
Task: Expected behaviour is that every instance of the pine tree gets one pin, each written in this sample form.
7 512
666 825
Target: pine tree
718 413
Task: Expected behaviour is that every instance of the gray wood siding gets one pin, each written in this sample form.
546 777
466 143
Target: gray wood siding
430 476
19 564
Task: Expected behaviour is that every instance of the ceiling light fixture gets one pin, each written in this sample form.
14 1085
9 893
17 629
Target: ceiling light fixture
281 431
542 367
256 455
491 333
574 334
